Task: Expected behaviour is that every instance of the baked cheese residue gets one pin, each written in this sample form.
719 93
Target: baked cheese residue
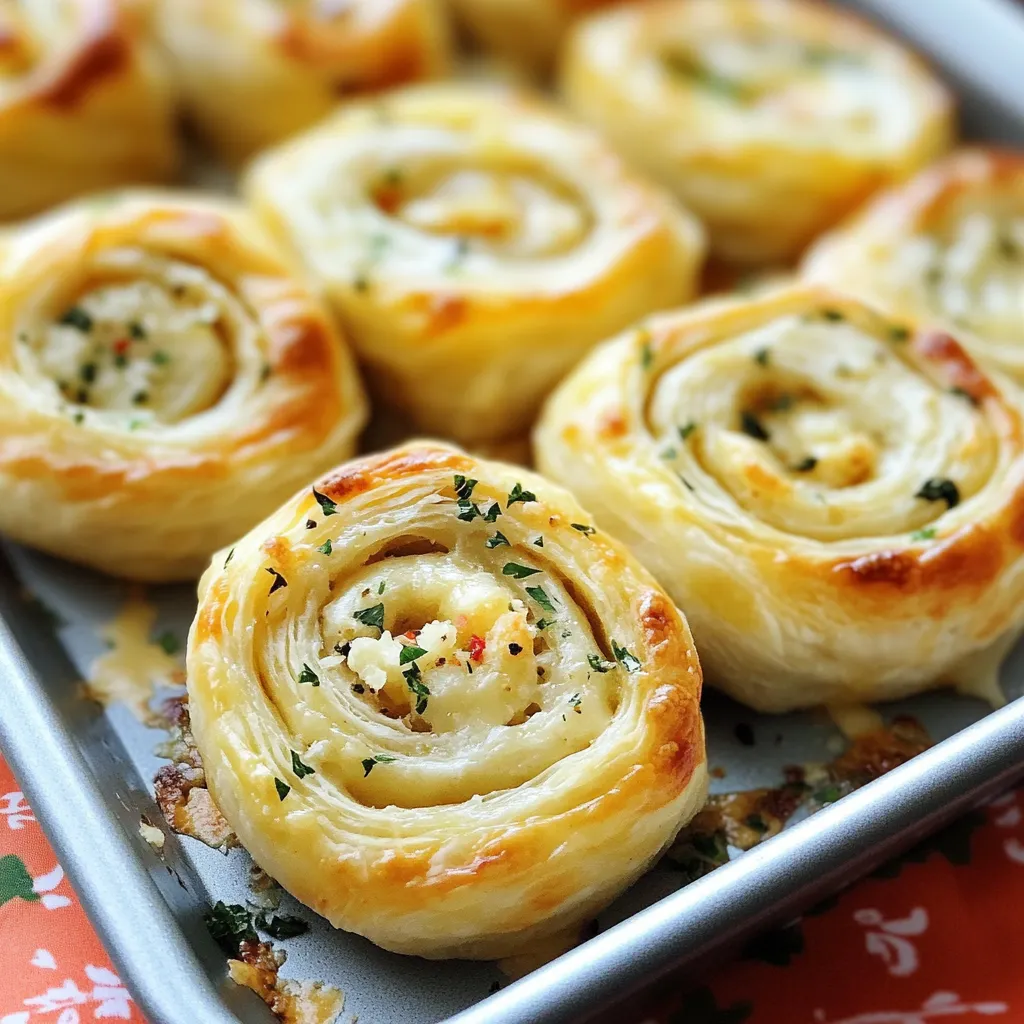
291 1001
135 663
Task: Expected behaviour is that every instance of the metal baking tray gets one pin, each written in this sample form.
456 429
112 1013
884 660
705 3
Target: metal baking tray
88 771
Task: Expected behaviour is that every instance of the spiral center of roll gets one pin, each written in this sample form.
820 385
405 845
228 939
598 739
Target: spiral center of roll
512 213
147 350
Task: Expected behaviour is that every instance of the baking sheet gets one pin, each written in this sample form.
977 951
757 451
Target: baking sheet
89 772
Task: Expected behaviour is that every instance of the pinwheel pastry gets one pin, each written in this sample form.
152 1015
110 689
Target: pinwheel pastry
255 71
85 102
835 497
947 246
475 244
527 31
769 118
440 707
165 382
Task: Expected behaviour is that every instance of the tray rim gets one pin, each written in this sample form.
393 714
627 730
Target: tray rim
808 860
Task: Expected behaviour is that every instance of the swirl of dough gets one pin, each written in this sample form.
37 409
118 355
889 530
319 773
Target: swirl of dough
440 708
835 498
769 118
165 381
946 246
85 102
253 72
475 243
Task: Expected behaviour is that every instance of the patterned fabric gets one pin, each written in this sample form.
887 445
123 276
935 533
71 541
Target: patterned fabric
937 935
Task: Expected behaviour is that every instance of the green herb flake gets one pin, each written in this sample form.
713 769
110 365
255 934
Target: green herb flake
227 561
752 426
833 316
373 616
419 689
78 318
492 513
598 664
169 643
279 581
281 926
538 595
307 675
575 701
898 333
497 540
966 395
283 789
326 547
539 542
517 571
686 430
806 464
646 356
328 507
928 533
369 762
587 531
464 487
940 490
410 653
762 356
160 358
629 662
137 331
87 372
230 924
518 494
300 769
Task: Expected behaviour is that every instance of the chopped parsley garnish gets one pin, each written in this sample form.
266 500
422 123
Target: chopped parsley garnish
575 701
587 531
646 355
515 649
806 464
464 487
898 333
231 554
373 616
926 534
283 789
419 689
343 649
329 507
169 642
940 490
828 795
281 926
369 762
598 664
310 524
543 623
410 653
307 675
140 397
137 331
492 513
1008 247
326 547
761 356
630 662
88 372
518 494
160 358
752 426
686 430
301 770
517 571
961 393
538 594
469 511
832 315
539 542
279 581
687 66
230 924
78 318
497 540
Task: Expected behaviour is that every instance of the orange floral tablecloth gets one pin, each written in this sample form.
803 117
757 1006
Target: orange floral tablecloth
935 936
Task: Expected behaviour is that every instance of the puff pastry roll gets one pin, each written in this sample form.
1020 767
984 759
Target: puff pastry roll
165 382
835 497
255 71
85 102
440 708
769 118
947 246
475 243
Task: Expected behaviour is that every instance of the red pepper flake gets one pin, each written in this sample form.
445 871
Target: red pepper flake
410 634
121 346
476 648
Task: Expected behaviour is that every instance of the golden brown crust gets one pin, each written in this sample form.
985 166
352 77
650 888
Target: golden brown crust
149 487
861 475
502 826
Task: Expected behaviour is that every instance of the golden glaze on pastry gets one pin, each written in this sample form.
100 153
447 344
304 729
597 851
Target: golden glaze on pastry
84 102
836 498
527 31
769 118
475 243
165 381
947 246
432 729
255 71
